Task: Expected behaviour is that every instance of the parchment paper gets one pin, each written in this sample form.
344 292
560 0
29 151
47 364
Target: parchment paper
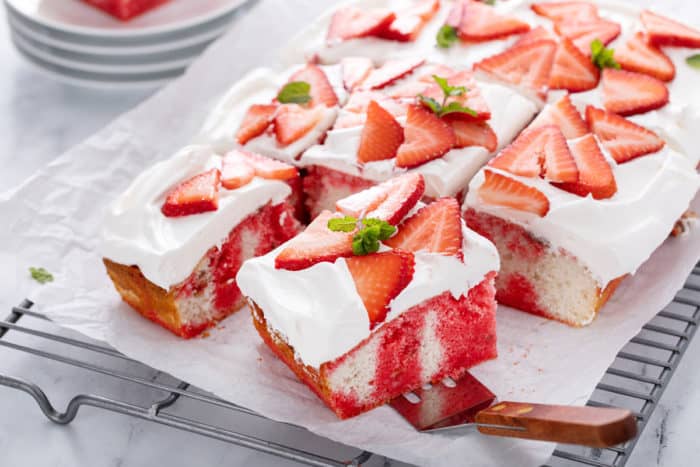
53 220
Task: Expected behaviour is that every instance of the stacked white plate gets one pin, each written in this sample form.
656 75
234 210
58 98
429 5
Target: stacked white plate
80 44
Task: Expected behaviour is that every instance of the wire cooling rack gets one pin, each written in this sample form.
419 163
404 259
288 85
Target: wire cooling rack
636 380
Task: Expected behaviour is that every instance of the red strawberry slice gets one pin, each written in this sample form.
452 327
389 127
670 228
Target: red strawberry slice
480 22
426 137
500 190
472 98
559 165
539 33
435 69
640 56
528 65
665 31
595 174
255 122
389 201
473 134
623 139
408 89
454 17
194 196
352 23
583 32
236 171
355 70
381 136
628 93
436 228
321 90
294 121
563 11
563 114
379 278
390 72
573 70
314 245
268 168
409 22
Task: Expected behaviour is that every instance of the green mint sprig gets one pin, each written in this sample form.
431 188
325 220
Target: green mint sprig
296 92
370 232
603 57
693 61
446 36
41 275
444 108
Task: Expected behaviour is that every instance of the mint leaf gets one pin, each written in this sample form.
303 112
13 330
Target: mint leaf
456 107
693 61
367 240
448 90
489 2
431 103
345 224
41 275
383 229
443 108
296 92
446 36
602 57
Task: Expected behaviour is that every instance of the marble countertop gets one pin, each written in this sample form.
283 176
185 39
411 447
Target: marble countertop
40 119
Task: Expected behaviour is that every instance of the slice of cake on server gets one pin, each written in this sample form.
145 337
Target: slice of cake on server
174 241
378 299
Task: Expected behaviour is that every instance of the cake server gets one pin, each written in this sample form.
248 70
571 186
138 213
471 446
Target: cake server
453 408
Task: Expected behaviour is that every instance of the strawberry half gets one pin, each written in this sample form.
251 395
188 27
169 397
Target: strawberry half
583 32
410 21
381 136
314 245
355 70
500 190
665 31
623 139
480 22
561 11
352 23
468 133
321 90
435 228
573 70
389 201
195 195
539 33
529 65
390 71
628 93
294 121
472 98
640 56
256 120
595 174
426 137
268 168
235 171
379 278
563 114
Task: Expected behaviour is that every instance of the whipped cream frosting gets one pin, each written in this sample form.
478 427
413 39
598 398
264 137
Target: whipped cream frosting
319 312
166 249
261 86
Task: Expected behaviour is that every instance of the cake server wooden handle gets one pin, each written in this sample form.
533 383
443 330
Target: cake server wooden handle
588 426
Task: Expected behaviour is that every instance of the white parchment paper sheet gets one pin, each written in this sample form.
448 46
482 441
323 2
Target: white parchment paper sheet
53 220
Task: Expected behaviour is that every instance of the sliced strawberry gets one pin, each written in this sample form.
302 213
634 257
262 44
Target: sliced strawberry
539 33
256 120
480 22
472 98
352 23
627 93
426 137
321 90
410 22
500 190
389 201
468 133
268 168
559 164
408 89
236 171
355 70
562 11
195 195
623 139
595 174
573 70
294 121
454 17
381 136
314 245
436 228
439 69
390 72
665 31
563 114
528 65
582 32
379 278
640 56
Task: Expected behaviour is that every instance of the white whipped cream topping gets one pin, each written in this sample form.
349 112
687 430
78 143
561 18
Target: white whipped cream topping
261 86
166 249
319 312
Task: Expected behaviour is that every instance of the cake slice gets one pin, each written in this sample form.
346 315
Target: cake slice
363 309
174 241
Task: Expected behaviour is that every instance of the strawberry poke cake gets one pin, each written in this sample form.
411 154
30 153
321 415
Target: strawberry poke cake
377 299
174 241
